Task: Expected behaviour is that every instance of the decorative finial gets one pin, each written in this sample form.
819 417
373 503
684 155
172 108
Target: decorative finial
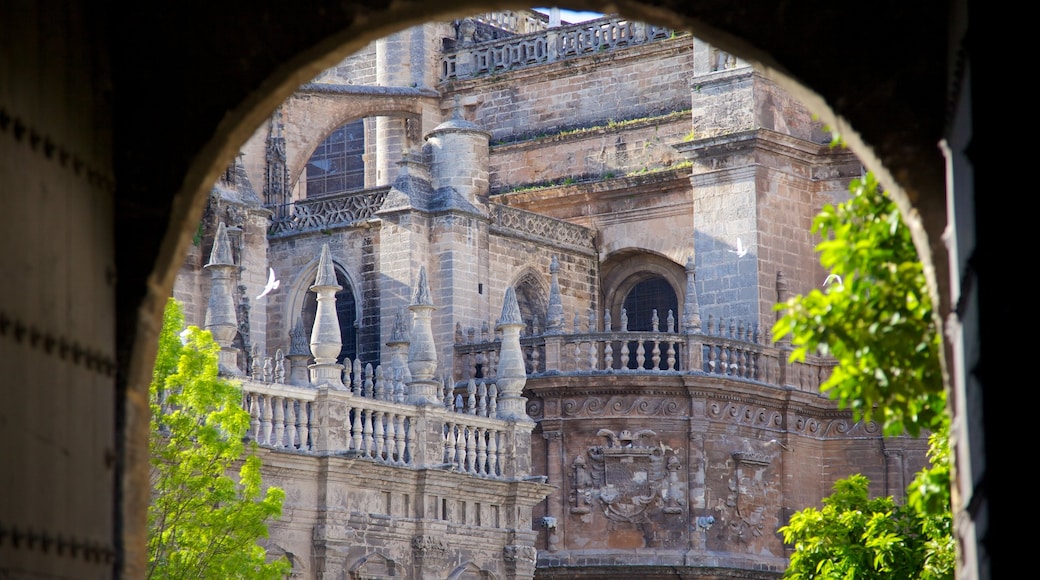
510 309
326 271
421 294
221 253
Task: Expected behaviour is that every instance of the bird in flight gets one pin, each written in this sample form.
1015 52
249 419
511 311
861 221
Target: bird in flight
831 278
741 251
272 284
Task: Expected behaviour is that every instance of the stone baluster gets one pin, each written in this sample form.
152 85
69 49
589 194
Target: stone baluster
325 335
369 385
256 370
357 384
482 399
268 370
299 354
492 400
290 422
356 428
390 448
278 404
221 319
481 452
279 367
266 417
422 352
471 450
378 435
400 437
254 416
367 431
315 431
471 397
511 377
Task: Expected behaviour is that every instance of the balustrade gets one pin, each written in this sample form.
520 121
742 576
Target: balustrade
550 45
730 349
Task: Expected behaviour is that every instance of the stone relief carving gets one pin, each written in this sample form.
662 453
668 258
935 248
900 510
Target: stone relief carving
750 493
626 477
514 553
620 406
544 228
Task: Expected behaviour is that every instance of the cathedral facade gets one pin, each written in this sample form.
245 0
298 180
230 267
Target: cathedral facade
526 273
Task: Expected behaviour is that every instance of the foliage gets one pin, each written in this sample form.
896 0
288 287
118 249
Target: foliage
202 523
857 537
877 321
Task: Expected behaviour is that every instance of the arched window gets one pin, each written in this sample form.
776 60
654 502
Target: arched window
337 165
654 293
346 312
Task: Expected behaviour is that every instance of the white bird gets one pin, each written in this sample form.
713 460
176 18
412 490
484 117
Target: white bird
741 251
272 284
831 278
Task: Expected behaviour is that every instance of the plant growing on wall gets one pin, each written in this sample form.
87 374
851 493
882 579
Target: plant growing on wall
208 508
873 314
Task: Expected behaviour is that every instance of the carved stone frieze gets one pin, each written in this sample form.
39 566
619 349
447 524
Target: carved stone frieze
622 406
542 228
745 414
427 545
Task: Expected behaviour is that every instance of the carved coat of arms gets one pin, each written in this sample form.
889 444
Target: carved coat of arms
626 476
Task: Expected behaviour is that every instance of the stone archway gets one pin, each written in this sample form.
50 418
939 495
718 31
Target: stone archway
135 180
909 155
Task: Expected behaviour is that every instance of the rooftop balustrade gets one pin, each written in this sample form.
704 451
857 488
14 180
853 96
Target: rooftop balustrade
547 46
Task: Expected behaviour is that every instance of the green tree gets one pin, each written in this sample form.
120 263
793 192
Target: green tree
875 319
202 522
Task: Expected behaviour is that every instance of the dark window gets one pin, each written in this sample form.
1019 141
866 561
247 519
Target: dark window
653 293
645 297
336 166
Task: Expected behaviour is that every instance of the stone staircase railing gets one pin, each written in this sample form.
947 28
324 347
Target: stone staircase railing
548 46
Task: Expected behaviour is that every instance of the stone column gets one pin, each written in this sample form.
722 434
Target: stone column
423 389
221 320
511 376
325 335
691 321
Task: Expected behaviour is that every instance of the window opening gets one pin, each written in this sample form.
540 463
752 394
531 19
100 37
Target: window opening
337 164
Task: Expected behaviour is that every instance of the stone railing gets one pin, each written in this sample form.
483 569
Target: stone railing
548 46
541 228
329 212
733 351
366 425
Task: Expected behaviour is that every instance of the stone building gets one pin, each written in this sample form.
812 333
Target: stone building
601 214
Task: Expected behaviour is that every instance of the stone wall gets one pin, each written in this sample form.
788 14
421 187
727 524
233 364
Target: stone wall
588 91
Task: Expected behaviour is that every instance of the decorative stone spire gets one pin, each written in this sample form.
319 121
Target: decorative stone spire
554 320
423 389
691 309
511 376
221 320
325 335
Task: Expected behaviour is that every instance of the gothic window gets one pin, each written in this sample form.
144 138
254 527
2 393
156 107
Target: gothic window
337 165
346 312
